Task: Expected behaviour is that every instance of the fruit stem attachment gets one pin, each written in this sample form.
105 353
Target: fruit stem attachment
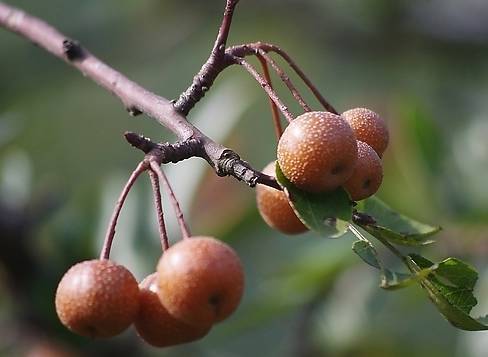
109 236
274 109
265 85
284 77
185 232
163 235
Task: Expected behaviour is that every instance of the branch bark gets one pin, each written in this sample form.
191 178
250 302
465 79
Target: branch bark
136 98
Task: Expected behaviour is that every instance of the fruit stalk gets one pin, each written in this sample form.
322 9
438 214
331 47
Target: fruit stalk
109 236
284 77
185 231
274 109
265 85
163 235
273 48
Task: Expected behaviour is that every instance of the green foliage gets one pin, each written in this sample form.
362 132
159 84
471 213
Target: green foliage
394 226
449 283
390 280
450 287
326 213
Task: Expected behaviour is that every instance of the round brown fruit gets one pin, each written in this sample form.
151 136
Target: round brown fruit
156 326
274 207
97 298
368 174
317 151
369 128
200 280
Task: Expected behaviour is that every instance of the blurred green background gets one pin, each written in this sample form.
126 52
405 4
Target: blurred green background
422 64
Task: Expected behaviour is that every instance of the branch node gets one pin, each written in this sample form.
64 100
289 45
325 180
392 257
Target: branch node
230 164
362 219
139 142
73 50
133 111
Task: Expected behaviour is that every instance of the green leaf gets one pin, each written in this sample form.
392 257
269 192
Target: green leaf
366 251
327 213
450 287
390 280
393 226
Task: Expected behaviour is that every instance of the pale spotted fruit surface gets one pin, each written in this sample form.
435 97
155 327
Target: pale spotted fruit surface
97 298
368 174
317 151
275 209
156 326
369 128
200 280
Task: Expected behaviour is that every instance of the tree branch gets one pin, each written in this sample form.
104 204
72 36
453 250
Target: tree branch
137 99
215 64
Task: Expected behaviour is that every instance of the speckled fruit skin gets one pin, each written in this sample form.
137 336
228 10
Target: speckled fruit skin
274 207
317 151
97 298
156 326
200 280
369 128
368 174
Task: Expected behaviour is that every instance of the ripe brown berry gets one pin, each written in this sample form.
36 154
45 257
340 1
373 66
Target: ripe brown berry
317 151
156 326
369 128
274 207
200 280
367 175
97 298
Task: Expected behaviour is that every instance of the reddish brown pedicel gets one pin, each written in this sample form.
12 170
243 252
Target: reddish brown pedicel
200 280
274 207
368 127
317 151
156 326
97 298
368 174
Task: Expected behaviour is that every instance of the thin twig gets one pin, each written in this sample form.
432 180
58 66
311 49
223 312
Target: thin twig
285 80
215 64
266 86
221 40
185 232
109 236
163 235
274 109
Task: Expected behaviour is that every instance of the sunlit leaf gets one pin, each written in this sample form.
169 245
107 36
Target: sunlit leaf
367 253
450 287
390 280
393 226
327 213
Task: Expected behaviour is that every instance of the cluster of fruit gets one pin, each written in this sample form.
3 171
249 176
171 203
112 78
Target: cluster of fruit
199 281
321 151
